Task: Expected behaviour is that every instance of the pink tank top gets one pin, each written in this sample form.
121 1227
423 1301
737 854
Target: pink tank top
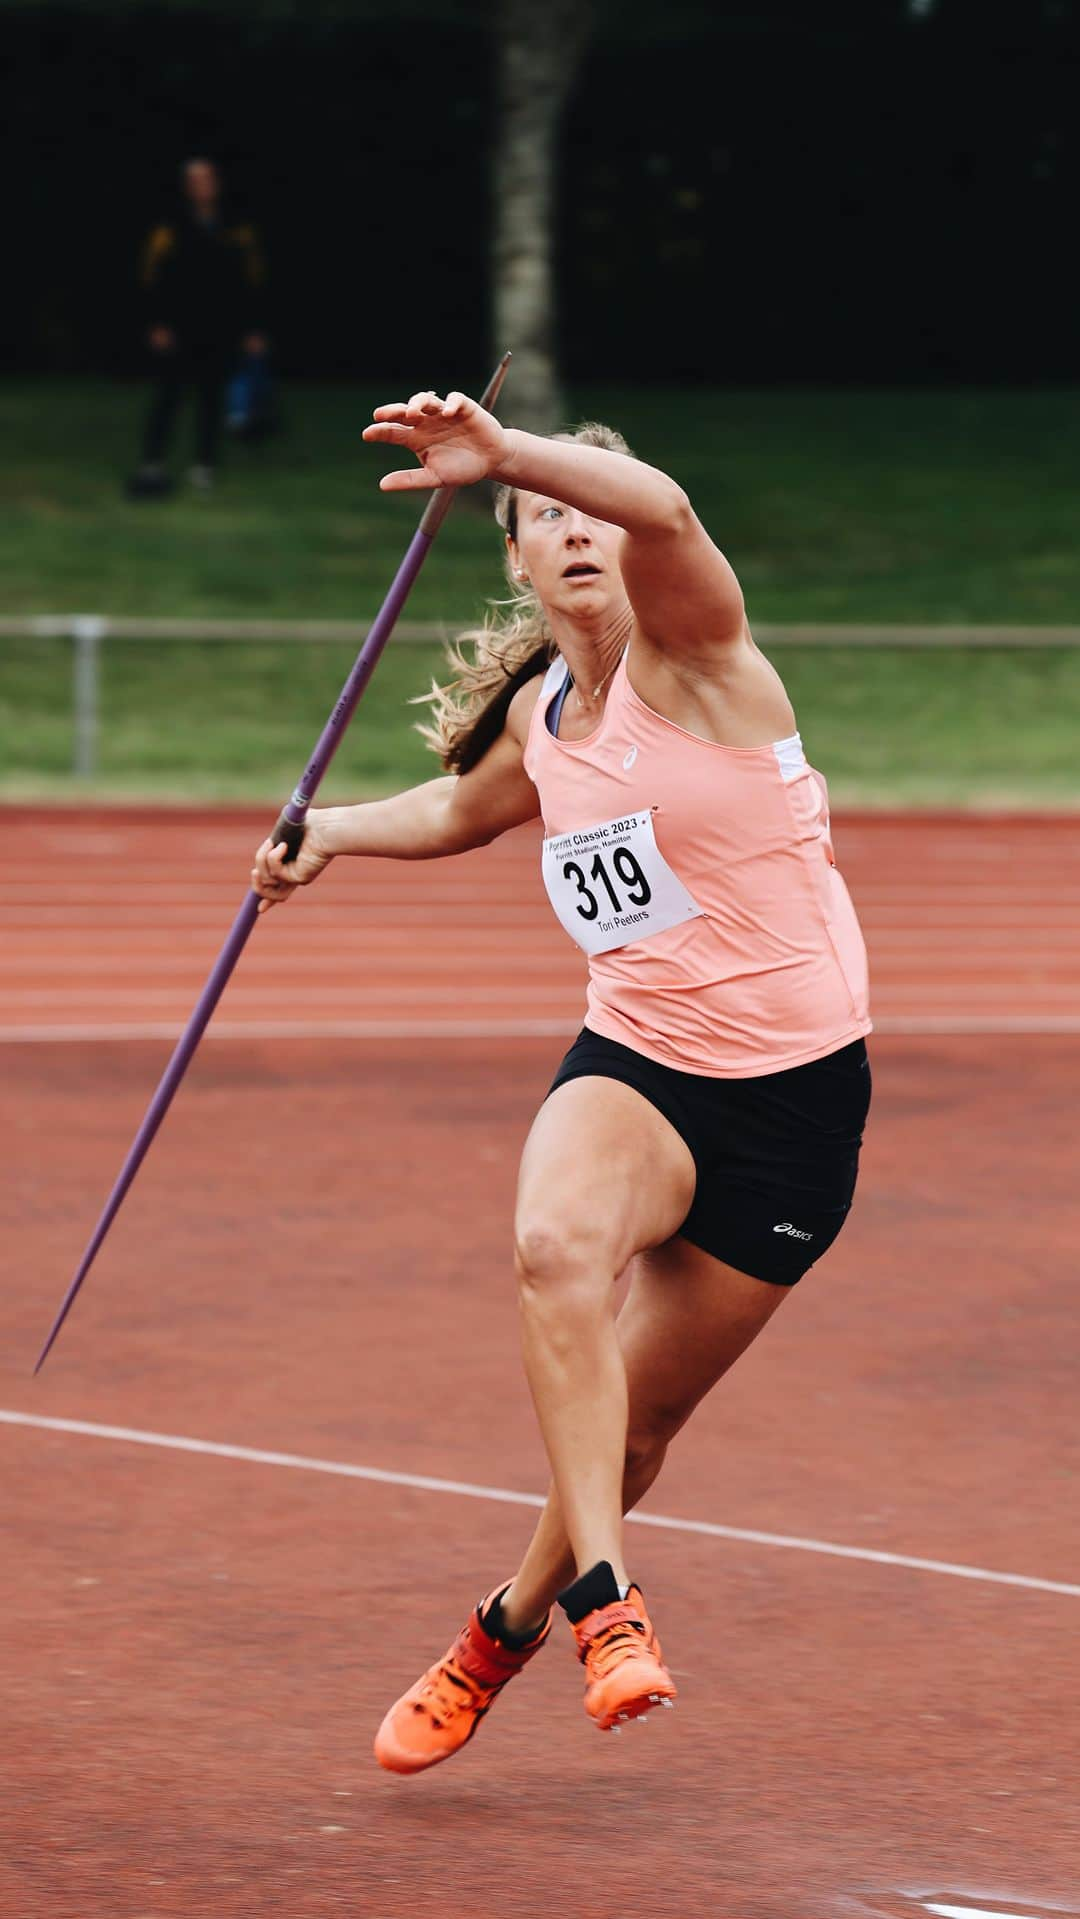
701 882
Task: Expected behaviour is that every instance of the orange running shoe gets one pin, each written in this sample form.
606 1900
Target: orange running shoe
617 1645
438 1715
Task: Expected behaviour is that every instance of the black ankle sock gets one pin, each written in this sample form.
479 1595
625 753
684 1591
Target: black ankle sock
598 1587
495 1626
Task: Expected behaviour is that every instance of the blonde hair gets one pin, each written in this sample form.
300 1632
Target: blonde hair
490 663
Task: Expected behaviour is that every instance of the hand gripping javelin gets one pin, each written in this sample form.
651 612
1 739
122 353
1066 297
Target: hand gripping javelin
290 829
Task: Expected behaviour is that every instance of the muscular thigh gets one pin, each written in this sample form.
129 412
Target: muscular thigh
686 1319
601 1160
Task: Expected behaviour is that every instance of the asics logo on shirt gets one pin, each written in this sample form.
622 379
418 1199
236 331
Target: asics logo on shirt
629 759
791 1231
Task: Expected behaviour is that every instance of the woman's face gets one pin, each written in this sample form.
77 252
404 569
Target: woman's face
570 559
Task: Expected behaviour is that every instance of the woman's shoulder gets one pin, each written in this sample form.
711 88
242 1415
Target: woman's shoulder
525 702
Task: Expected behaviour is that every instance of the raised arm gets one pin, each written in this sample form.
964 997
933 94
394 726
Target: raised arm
683 591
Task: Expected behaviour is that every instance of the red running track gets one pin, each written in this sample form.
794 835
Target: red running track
309 1286
112 920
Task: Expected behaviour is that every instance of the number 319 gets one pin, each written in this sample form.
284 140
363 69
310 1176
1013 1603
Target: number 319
638 890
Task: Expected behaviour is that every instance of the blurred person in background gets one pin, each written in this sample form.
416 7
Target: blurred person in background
202 279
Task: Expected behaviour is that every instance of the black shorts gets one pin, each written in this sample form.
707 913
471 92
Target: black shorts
777 1156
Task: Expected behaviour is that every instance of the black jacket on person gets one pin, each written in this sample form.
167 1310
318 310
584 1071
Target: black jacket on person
204 279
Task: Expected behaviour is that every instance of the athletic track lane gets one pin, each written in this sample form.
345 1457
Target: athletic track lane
315 1263
112 919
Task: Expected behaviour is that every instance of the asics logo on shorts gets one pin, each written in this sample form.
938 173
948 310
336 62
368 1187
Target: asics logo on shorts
791 1231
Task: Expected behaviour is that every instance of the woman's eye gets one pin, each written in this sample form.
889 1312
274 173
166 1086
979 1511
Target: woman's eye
551 513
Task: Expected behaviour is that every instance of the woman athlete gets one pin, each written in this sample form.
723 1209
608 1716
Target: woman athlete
704 1128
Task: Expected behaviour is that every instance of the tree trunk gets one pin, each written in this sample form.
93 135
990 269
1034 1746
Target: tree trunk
539 51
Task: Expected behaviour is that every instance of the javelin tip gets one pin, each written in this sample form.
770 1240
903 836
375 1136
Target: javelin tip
68 1303
494 385
45 1351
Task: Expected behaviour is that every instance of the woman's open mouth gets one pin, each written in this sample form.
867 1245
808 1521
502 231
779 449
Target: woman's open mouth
581 569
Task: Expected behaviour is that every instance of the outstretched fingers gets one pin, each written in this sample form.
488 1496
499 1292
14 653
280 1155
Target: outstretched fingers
392 433
396 432
424 409
454 439
410 480
422 406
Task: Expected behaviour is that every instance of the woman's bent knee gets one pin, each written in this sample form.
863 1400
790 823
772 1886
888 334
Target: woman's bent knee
554 1253
645 1450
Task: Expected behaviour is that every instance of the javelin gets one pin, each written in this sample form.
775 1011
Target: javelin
290 828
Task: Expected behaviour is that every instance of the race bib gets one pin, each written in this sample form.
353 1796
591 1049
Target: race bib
611 884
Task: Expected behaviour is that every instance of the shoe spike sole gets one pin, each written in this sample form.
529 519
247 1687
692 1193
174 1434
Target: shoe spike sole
639 1717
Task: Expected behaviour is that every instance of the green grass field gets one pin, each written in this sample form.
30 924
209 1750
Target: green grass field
223 721
834 507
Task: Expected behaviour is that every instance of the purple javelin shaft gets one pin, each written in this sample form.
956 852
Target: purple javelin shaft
292 818
226 960
364 666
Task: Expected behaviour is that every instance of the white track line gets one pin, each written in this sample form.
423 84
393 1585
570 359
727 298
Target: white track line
426 993
976 1912
915 1026
464 1489
308 1029
177 956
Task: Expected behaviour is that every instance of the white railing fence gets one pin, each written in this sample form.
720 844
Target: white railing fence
89 631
